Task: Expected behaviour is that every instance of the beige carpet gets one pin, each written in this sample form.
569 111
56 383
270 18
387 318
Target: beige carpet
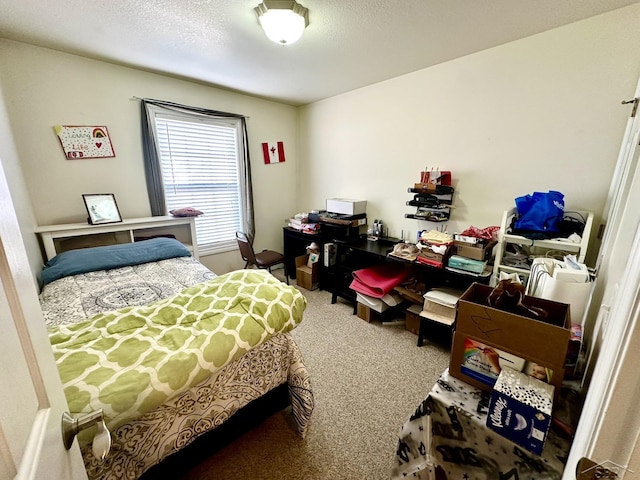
368 378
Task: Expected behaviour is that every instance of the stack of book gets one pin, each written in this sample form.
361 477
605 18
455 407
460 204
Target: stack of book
300 221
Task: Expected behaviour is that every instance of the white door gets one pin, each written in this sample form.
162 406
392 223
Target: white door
31 397
609 427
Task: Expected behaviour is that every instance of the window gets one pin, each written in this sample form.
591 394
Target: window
200 162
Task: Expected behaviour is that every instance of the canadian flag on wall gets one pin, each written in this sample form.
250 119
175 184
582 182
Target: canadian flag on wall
273 152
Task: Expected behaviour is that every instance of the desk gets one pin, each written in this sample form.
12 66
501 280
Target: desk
446 438
355 255
362 253
296 242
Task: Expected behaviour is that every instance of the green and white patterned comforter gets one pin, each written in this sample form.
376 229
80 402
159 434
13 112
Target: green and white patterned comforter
130 361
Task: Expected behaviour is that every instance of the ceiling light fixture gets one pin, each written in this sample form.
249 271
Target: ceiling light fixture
283 21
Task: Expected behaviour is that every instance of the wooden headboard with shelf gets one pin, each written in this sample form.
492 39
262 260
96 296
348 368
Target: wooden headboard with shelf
59 238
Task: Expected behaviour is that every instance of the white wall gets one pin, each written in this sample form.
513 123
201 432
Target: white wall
18 189
44 88
537 114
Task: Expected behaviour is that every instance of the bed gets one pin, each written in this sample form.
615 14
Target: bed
166 348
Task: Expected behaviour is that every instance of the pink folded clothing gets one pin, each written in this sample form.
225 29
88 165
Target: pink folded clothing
379 280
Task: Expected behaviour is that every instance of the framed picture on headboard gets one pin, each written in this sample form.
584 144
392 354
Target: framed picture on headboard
102 208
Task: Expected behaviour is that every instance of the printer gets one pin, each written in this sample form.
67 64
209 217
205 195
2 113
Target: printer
346 206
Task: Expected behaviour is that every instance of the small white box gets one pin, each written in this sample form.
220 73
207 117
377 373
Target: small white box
330 252
346 206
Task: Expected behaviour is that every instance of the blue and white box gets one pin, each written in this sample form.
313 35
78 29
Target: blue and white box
520 409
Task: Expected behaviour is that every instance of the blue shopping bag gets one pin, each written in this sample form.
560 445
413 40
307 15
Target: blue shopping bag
541 212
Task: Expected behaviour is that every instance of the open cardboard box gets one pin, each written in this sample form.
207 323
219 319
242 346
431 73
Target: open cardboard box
306 276
429 257
486 338
477 251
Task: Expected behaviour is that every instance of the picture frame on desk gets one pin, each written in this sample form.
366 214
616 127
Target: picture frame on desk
101 208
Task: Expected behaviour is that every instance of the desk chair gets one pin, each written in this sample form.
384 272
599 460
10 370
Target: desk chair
264 259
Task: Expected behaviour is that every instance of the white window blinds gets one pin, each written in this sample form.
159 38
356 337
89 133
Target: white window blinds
199 161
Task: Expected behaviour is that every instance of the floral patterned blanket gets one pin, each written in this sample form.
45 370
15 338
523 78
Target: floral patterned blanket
79 297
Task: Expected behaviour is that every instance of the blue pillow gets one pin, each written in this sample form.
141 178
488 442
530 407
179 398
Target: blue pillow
86 260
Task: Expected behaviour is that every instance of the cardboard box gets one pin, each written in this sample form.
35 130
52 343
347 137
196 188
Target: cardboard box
428 256
306 277
476 251
520 409
483 362
412 319
541 344
367 314
346 206
409 295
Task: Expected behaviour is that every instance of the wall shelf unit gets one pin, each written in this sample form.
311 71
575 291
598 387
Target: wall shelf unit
59 238
431 206
537 247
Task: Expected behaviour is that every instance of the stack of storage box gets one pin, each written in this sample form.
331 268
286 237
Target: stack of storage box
439 307
470 254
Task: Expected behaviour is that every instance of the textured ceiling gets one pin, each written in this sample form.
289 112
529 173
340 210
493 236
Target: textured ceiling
348 44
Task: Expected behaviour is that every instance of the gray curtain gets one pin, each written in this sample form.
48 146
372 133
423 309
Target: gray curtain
153 172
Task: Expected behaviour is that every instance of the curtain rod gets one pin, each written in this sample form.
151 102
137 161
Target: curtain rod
134 98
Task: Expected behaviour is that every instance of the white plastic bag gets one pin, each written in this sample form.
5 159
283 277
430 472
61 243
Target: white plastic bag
570 289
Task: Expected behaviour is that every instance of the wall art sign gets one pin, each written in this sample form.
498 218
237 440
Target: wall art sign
80 142
102 208
273 152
